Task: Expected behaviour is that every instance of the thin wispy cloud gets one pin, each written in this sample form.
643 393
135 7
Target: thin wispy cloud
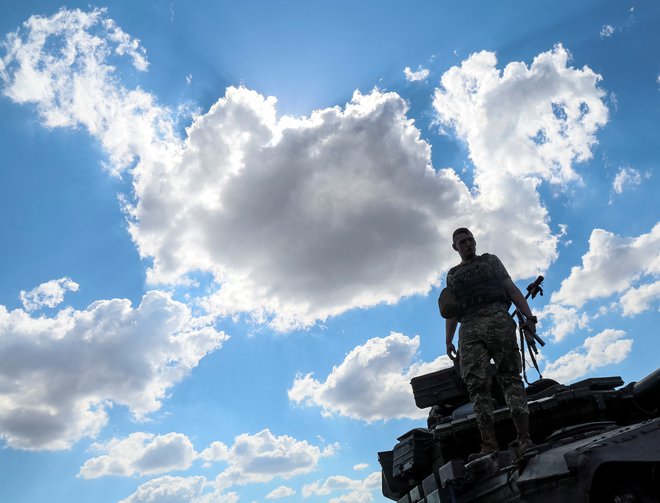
416 75
607 31
49 294
280 492
626 177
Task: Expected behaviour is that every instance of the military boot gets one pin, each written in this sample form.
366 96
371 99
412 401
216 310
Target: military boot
488 442
525 444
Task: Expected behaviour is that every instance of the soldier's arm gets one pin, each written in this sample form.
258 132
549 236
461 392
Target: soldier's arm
450 329
518 300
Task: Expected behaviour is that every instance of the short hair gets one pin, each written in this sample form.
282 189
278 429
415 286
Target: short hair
460 230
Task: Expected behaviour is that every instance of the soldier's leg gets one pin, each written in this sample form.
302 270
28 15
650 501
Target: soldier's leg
509 366
475 371
480 396
503 347
516 400
508 361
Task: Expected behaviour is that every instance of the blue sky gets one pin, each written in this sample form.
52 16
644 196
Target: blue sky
226 227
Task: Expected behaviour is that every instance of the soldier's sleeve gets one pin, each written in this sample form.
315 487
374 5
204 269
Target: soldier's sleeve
450 277
498 267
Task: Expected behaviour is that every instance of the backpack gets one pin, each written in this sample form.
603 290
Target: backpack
448 304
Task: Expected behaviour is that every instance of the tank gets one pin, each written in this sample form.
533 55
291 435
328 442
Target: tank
598 441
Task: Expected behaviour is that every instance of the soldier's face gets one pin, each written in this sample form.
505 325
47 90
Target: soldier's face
465 245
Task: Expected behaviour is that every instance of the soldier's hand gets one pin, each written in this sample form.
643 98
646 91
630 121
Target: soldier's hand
451 351
530 324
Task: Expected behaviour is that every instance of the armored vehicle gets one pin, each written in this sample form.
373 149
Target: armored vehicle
598 441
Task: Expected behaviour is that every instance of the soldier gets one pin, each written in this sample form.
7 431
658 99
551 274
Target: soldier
483 292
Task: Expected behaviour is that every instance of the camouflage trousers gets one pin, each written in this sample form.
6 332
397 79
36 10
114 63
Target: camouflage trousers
491 333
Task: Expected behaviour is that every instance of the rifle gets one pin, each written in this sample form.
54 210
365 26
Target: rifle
526 335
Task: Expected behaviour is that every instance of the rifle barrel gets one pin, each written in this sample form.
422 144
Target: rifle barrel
535 337
539 340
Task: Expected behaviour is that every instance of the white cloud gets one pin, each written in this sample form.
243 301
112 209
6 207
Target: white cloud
251 459
338 210
614 100
280 492
522 125
638 300
280 185
417 75
331 484
372 383
49 294
169 489
360 490
611 265
562 320
607 31
61 64
359 496
335 211
563 232
606 348
141 454
525 121
360 466
626 177
60 373
264 456
189 78
217 451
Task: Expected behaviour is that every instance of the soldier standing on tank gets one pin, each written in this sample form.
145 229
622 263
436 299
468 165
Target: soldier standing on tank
483 292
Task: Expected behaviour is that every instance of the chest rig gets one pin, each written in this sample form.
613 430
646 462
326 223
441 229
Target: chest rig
476 284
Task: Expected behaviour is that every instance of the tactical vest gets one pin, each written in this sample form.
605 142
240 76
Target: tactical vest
475 284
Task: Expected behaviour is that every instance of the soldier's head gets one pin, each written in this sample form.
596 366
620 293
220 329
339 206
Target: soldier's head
464 243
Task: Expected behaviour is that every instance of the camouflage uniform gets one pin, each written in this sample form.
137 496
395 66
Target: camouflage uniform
488 331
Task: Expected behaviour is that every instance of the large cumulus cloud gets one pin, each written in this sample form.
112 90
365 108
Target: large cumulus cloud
295 219
60 374
342 209
301 218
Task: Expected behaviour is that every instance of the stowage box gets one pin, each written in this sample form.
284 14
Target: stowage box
412 455
443 387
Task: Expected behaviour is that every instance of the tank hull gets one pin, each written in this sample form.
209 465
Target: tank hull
597 442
